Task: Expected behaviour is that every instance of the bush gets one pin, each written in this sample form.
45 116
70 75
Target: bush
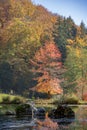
70 99
6 99
23 109
17 100
67 99
12 99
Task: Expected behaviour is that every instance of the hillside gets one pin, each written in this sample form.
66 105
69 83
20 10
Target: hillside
25 28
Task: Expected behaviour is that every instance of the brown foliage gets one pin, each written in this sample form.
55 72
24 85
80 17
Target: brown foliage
47 124
85 97
47 61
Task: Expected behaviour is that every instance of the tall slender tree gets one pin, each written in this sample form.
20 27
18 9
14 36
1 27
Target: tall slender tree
47 64
64 29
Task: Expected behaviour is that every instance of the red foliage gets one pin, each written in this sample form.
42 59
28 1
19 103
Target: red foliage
47 124
47 61
85 97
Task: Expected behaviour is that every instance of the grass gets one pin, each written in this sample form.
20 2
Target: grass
44 101
83 102
9 102
11 99
70 99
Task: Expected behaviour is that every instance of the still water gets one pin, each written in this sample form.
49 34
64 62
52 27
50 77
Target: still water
34 123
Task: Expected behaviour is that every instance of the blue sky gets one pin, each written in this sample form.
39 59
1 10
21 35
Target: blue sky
77 9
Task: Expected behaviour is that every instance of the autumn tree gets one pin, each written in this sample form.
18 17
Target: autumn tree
24 26
47 65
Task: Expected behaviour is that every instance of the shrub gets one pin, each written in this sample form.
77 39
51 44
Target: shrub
13 99
6 99
16 100
70 99
67 99
23 109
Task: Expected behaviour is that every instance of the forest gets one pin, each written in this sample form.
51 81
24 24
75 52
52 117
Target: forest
41 53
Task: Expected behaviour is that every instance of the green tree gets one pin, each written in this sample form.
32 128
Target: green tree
76 64
82 30
64 29
6 77
24 27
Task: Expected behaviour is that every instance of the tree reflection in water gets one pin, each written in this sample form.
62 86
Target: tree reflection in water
54 120
57 119
47 124
64 115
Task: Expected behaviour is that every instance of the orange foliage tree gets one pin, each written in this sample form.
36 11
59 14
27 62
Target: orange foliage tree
47 64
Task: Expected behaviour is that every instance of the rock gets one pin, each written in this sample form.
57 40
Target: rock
51 114
24 109
64 111
64 114
40 112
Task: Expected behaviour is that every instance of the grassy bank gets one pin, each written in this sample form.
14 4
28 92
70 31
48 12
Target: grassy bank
11 99
9 102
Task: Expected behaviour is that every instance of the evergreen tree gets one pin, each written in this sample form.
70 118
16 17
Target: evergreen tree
82 30
64 29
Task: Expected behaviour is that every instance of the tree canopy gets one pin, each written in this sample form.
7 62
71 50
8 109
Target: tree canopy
41 50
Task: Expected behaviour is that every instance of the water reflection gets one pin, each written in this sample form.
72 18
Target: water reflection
47 124
63 115
62 118
15 123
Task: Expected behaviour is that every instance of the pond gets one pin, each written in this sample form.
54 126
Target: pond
35 123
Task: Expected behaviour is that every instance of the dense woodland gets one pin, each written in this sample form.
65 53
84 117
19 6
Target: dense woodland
41 51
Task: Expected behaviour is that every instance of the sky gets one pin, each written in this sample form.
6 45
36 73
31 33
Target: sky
77 9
